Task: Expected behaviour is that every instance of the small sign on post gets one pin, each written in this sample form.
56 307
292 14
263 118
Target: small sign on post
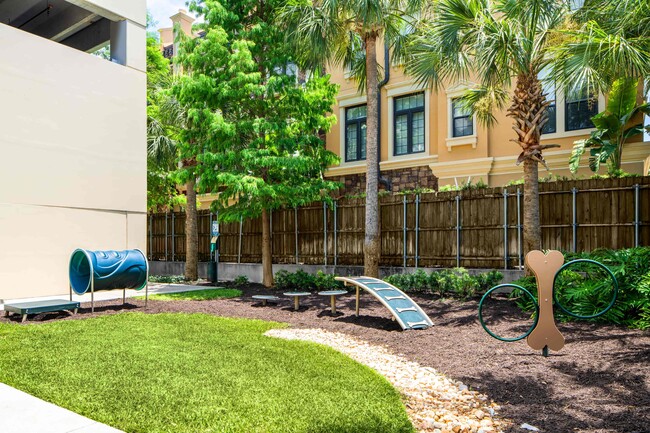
214 248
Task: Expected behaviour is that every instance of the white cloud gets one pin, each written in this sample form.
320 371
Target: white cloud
163 9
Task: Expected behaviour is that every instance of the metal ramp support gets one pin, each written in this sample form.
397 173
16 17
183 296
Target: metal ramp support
408 314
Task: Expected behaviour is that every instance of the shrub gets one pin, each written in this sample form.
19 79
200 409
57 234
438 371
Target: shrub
167 279
296 281
457 283
583 296
323 281
487 280
240 280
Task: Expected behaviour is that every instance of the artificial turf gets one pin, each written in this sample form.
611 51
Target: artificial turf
196 295
196 373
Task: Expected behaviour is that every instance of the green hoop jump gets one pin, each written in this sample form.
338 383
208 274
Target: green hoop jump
544 334
492 334
573 262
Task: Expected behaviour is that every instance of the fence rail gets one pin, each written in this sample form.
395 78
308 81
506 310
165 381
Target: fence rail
475 228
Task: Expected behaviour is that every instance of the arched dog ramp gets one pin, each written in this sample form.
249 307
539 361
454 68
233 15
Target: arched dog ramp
408 314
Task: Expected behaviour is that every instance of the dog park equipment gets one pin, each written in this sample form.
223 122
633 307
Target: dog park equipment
265 298
108 270
543 334
333 294
408 314
35 307
296 298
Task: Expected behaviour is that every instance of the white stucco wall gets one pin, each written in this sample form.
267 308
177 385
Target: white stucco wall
132 10
73 160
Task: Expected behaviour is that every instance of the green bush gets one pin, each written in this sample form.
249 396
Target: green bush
456 283
301 280
323 281
585 296
167 279
240 280
294 281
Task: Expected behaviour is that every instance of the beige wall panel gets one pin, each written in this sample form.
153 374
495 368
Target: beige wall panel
133 10
137 232
74 127
37 243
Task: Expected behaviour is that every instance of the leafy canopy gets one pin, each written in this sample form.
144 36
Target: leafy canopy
161 126
252 127
334 32
613 128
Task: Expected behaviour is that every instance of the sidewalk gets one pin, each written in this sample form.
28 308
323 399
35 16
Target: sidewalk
23 413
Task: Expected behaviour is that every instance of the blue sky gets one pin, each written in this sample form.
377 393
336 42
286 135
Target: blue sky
163 9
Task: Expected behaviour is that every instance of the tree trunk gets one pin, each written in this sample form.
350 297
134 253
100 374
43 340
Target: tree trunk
191 233
371 245
528 110
532 229
267 258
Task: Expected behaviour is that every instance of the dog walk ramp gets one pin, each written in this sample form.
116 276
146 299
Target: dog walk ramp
407 313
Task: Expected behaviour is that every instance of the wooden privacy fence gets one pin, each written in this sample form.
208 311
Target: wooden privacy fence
476 228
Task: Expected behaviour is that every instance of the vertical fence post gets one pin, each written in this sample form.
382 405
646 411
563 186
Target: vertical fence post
295 223
173 237
637 222
505 229
574 221
166 234
336 244
519 251
417 230
325 232
458 231
404 234
241 226
150 236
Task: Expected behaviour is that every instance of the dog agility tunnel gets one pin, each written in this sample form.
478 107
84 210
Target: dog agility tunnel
107 270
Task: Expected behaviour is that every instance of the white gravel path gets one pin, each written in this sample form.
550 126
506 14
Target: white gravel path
435 403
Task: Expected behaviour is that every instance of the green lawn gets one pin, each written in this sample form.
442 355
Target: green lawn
196 295
196 373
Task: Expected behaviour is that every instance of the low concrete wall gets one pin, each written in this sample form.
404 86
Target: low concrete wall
228 271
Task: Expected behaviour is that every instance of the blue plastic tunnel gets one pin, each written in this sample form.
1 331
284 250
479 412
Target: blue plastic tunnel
107 270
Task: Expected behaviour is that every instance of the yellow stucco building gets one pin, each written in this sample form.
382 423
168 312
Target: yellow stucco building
426 141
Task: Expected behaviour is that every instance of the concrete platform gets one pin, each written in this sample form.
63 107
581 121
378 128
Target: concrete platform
107 295
23 413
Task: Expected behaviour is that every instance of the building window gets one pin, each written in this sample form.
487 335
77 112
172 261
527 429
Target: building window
579 109
462 120
551 125
355 133
548 87
409 124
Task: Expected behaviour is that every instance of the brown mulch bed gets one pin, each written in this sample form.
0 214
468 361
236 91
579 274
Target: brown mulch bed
599 382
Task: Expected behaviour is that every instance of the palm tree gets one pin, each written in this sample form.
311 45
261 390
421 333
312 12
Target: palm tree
166 118
345 34
504 45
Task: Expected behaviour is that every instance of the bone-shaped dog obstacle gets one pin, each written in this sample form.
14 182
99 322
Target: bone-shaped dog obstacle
543 334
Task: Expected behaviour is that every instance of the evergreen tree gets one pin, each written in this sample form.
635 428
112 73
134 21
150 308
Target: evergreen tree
252 127
346 33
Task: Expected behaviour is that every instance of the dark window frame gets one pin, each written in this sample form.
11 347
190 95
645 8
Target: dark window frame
553 107
454 118
409 124
359 122
586 102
